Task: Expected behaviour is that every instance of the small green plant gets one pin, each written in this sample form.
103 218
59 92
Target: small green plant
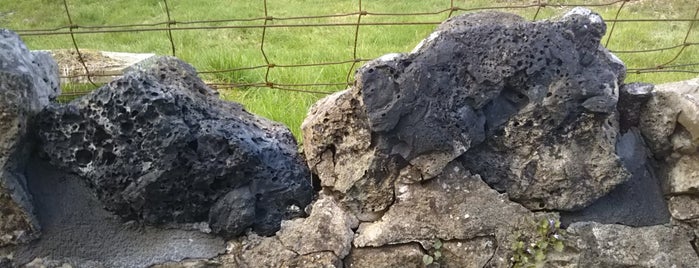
530 252
434 254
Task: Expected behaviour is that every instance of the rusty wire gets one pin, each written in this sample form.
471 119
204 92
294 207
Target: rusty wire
170 22
81 59
361 13
296 21
616 18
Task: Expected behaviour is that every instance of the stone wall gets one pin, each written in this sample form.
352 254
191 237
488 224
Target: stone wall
497 142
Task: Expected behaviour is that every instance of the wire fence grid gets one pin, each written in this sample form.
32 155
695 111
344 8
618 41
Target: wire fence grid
264 22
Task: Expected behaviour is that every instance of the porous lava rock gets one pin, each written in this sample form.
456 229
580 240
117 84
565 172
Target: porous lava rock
530 106
159 147
28 82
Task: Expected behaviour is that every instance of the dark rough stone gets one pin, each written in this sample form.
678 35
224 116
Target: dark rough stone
158 146
519 100
631 98
28 82
637 202
234 211
35 69
553 103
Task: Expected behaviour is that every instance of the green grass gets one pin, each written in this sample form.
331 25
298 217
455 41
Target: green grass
235 48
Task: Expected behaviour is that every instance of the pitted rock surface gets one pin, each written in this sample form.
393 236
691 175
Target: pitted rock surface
518 100
28 82
158 146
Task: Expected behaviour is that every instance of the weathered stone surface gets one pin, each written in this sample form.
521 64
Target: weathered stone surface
338 148
689 111
28 82
684 207
35 70
670 103
682 143
519 100
683 175
670 125
255 251
454 205
475 253
404 255
315 260
6 255
632 97
680 156
48 263
328 228
76 229
600 245
321 240
158 146
639 201
189 264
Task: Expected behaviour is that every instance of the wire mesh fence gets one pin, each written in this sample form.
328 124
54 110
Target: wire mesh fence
670 55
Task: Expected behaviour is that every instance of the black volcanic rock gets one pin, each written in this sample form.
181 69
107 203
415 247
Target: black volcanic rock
530 106
158 146
28 82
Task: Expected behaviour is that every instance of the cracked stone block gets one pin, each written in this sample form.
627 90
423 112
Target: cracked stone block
322 239
402 255
593 244
453 206
328 228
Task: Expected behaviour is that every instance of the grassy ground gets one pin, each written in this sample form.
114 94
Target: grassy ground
234 48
